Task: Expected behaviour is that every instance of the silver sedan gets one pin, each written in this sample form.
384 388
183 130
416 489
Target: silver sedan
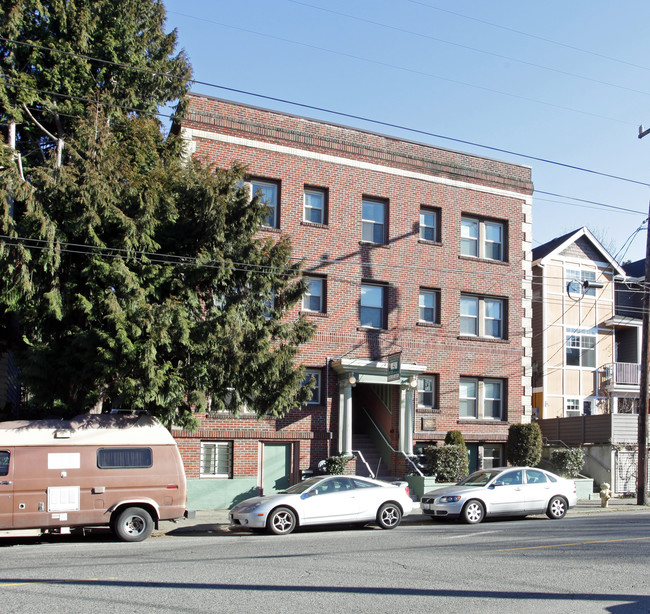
326 499
503 491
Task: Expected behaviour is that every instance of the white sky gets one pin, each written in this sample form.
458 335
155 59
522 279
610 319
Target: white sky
563 81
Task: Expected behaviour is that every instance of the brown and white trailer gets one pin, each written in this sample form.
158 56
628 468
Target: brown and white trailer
122 471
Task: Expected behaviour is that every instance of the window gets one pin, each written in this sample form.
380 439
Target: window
575 277
314 298
581 348
429 306
313 374
4 463
481 316
123 458
482 239
492 456
429 224
373 219
572 408
372 305
216 459
427 391
315 203
268 192
481 398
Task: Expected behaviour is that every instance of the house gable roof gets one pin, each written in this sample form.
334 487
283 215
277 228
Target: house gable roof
582 239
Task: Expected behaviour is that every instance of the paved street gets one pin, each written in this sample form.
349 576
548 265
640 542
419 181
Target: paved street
588 562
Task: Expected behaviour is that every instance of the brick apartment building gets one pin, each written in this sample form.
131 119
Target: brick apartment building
409 249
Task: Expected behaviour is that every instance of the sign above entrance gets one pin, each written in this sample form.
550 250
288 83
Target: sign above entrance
394 367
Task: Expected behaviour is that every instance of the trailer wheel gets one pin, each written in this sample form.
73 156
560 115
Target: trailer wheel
133 525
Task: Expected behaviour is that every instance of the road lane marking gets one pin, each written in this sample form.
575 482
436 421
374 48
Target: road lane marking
602 541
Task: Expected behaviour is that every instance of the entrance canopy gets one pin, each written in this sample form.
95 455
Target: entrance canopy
375 371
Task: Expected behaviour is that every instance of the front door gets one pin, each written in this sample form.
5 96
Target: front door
6 488
508 497
276 467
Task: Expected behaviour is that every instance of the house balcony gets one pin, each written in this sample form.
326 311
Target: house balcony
621 375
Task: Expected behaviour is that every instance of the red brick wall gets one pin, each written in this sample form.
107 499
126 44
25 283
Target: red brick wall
405 264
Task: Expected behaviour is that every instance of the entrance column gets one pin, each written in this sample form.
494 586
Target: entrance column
406 420
345 418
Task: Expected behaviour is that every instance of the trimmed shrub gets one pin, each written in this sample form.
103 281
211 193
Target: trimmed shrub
335 465
454 438
524 446
568 462
447 463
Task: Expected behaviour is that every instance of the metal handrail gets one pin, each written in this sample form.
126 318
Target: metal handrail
388 443
365 462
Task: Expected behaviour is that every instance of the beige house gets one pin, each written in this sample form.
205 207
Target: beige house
574 323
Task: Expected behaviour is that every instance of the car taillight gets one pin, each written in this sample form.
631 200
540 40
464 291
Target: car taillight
408 492
575 488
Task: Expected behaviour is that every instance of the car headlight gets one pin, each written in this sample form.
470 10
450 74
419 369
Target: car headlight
247 508
450 499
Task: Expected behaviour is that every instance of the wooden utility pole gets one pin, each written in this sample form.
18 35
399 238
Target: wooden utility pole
642 472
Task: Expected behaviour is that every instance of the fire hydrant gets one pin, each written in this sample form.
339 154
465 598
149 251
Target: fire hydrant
605 494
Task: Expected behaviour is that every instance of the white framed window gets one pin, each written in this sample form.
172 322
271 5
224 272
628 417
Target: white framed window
216 459
482 238
373 218
581 348
427 392
429 306
575 277
269 193
429 224
372 305
481 398
578 407
491 456
315 205
314 298
572 408
482 316
315 376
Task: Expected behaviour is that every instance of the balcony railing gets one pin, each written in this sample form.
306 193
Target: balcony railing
624 373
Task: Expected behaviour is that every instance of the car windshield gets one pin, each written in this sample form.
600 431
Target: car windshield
480 478
301 487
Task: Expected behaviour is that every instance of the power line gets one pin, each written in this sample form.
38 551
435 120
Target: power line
468 48
334 112
529 35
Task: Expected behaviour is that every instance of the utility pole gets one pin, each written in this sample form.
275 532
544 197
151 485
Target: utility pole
642 473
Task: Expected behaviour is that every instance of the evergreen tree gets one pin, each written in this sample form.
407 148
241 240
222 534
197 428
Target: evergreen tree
147 288
131 278
56 56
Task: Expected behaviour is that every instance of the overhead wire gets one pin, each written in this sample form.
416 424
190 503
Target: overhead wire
329 111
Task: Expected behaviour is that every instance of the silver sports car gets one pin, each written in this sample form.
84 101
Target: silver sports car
503 491
326 499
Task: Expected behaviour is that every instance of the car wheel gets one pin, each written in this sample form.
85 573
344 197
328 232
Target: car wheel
389 516
282 521
133 525
557 508
473 512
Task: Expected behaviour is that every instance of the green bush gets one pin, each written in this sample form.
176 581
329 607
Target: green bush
524 446
568 462
454 438
447 463
335 465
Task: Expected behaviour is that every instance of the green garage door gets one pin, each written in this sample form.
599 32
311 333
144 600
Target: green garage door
276 467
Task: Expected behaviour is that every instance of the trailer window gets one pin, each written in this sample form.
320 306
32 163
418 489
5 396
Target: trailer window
118 458
4 462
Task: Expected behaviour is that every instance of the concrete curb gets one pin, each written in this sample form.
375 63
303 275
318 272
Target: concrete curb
211 522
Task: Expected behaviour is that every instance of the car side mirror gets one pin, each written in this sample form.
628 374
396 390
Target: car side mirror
498 483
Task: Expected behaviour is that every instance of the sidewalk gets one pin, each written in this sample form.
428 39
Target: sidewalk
216 521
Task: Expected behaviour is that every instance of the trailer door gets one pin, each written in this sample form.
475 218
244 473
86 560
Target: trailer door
6 488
